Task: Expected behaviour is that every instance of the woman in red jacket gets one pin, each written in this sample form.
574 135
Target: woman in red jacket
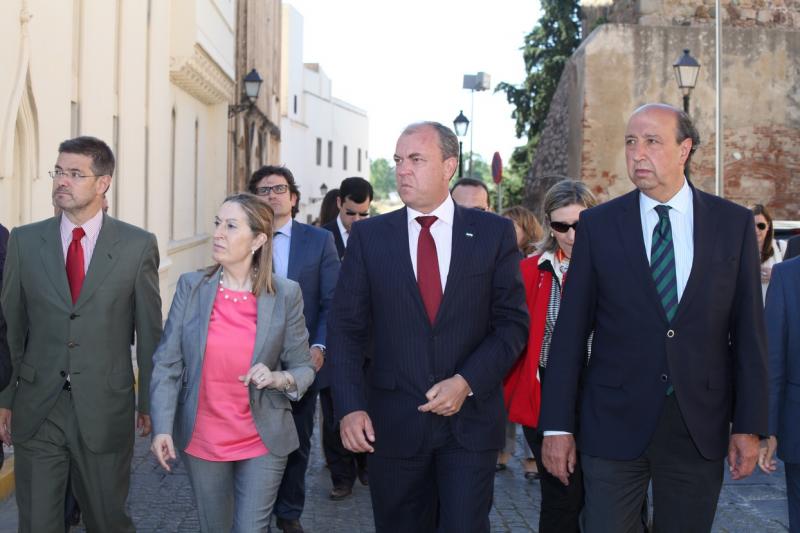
545 274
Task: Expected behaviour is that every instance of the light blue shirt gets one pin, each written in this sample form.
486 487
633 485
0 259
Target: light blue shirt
280 249
681 218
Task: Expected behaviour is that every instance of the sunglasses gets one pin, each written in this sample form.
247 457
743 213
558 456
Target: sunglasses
356 213
563 227
761 225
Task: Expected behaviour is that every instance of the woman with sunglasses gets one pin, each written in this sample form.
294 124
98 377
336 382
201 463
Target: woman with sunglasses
768 247
545 274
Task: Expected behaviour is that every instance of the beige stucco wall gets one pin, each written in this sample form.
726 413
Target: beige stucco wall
126 72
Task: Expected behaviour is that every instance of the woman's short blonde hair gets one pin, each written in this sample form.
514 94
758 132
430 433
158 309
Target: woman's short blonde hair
562 194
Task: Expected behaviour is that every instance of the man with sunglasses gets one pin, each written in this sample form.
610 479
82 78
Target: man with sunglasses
472 193
667 278
354 200
307 255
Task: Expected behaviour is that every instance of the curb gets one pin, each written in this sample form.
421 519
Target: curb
7 478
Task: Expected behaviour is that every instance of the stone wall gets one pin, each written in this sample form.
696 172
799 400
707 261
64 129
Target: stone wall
621 66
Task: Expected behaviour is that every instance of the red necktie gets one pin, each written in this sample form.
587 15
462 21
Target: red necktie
430 284
75 270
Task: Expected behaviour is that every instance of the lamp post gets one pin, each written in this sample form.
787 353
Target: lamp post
252 86
323 190
461 125
686 70
475 82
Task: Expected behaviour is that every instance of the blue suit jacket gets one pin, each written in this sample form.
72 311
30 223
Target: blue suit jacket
783 330
713 352
480 329
314 265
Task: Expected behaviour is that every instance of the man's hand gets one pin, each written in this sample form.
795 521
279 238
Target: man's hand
143 425
559 456
317 357
742 455
766 455
357 433
164 450
5 425
446 397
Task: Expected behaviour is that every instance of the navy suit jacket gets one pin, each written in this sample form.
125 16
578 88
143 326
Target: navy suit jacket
713 352
480 329
783 317
5 354
792 248
333 227
314 265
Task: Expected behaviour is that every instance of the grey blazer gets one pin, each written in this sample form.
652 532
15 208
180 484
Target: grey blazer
281 344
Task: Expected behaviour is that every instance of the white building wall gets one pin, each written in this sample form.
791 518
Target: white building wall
116 73
318 116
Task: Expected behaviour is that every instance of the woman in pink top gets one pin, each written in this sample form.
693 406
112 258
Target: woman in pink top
234 352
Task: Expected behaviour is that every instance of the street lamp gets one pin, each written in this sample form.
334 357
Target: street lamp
323 190
252 86
461 125
686 70
475 82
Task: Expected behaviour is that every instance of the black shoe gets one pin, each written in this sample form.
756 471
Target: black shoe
363 477
340 492
288 525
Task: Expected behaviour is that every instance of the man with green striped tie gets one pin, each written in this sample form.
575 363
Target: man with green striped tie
667 278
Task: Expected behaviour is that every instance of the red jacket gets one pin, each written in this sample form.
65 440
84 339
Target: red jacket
522 389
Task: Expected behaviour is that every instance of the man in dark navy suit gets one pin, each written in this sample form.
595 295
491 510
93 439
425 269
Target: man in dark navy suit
667 278
353 201
783 319
437 289
307 255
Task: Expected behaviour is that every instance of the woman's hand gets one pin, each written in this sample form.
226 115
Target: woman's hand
163 448
262 377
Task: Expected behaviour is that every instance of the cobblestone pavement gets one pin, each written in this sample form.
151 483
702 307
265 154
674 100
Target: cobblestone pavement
162 503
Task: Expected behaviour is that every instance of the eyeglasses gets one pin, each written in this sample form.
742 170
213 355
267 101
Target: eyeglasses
355 213
277 189
761 225
72 174
563 227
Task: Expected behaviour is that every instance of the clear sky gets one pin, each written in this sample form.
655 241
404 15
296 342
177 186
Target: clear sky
404 60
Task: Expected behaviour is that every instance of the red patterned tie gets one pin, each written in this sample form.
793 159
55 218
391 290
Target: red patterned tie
430 284
75 270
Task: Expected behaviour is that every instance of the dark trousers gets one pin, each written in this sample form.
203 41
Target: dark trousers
343 464
444 488
793 495
292 493
561 505
686 485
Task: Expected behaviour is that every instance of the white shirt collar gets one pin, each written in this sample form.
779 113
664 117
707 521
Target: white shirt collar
342 230
91 227
680 202
444 212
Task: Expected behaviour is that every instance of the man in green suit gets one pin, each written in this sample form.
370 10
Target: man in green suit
75 289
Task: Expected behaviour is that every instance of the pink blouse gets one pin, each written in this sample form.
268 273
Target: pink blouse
224 429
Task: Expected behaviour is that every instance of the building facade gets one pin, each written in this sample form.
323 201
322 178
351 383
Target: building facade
324 139
151 78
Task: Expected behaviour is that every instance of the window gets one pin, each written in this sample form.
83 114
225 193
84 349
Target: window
344 157
319 152
295 104
358 163
330 154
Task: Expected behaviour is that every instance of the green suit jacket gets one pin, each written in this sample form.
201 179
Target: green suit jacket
51 338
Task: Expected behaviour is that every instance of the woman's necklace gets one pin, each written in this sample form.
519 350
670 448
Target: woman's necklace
234 297
563 261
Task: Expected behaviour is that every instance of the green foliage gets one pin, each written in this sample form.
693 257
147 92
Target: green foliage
382 178
546 51
513 183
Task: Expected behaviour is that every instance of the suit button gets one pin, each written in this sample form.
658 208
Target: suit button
664 378
670 333
252 402
71 344
73 316
63 374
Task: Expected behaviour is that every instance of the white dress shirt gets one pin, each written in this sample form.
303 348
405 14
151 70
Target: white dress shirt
681 218
442 232
280 249
91 229
342 230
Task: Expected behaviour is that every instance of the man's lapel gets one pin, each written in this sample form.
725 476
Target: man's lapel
104 258
398 241
463 246
53 260
705 227
629 223
296 247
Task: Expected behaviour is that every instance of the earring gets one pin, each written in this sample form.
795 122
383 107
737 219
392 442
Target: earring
253 251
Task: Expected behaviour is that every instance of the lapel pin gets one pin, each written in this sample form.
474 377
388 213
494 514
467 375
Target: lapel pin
469 234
